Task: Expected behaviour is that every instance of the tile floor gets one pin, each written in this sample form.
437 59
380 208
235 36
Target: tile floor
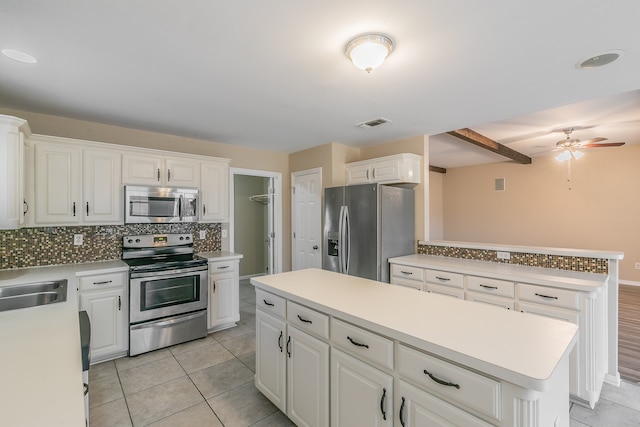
209 382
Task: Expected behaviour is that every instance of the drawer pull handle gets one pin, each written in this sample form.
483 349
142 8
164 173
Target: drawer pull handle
444 279
288 346
103 283
302 319
384 413
119 303
439 381
406 272
270 304
223 267
280 341
400 413
545 296
489 287
357 344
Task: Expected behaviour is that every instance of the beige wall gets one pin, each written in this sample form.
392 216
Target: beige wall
598 209
330 157
436 219
241 157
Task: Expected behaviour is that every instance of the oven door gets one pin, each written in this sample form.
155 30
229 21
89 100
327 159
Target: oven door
165 293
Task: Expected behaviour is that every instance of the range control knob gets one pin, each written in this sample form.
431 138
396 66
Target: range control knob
181 238
187 237
130 241
137 240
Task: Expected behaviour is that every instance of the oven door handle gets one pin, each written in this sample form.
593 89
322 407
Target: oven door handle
165 323
172 272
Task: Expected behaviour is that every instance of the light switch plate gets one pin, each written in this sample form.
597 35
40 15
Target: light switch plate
203 234
504 255
224 234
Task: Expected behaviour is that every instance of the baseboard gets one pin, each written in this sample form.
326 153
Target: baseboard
612 379
249 276
628 282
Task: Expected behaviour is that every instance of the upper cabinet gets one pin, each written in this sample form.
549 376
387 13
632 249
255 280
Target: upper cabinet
12 174
214 191
141 168
75 184
397 169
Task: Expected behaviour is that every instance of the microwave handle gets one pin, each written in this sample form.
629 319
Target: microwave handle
180 207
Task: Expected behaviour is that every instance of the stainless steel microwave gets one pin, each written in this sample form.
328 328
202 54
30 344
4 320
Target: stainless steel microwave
160 204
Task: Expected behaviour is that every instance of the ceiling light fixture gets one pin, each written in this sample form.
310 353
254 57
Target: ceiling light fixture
568 153
19 56
369 51
600 60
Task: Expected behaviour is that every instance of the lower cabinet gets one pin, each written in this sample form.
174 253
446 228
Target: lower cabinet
224 294
361 395
105 299
292 370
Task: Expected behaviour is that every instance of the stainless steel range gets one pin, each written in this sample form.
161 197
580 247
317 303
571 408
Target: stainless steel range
167 291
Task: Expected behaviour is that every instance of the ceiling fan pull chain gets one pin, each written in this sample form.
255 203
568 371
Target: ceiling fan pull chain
569 173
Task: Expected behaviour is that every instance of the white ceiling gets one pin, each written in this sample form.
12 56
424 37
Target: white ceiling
273 74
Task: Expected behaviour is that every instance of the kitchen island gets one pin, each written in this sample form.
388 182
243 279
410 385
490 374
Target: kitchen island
401 356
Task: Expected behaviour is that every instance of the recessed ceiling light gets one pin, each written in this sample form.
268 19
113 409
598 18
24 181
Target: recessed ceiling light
600 59
19 56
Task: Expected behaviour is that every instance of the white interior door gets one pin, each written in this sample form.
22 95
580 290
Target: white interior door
271 230
306 215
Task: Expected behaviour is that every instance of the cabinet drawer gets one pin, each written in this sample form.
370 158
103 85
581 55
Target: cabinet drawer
407 283
406 272
444 290
102 281
549 296
308 320
444 278
222 267
271 303
451 382
364 344
491 286
498 301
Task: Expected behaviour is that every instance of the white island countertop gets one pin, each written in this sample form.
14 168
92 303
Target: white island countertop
521 348
219 255
41 381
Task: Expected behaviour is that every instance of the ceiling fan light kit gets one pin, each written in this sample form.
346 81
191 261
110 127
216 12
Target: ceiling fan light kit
369 51
570 146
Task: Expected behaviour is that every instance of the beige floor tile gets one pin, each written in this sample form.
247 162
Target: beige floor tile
102 369
150 374
233 332
199 415
221 378
158 402
126 362
241 345
275 420
204 357
112 414
105 388
192 345
241 406
249 360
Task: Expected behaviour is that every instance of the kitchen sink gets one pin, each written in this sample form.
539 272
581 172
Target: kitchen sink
32 294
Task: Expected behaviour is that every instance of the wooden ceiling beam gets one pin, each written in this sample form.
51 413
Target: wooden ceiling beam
482 141
437 169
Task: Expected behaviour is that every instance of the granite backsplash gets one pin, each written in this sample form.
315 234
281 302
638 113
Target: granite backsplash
30 247
572 263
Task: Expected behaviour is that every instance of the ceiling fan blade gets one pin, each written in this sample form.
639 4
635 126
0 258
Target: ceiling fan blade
591 141
607 144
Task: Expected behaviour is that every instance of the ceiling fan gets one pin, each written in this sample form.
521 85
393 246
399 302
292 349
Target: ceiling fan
569 146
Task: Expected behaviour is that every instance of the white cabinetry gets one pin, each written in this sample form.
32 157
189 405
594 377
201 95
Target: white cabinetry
395 169
271 359
75 184
144 168
12 171
214 191
224 294
105 299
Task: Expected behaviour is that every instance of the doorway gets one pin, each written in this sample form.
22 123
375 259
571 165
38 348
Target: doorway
256 221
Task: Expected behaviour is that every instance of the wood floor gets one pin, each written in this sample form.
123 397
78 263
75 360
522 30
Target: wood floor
629 332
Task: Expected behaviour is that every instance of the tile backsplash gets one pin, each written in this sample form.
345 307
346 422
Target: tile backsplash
589 265
30 247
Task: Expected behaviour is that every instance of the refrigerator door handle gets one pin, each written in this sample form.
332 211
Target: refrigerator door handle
347 239
340 239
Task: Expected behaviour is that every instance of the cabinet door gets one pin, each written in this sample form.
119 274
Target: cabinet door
102 187
142 169
358 174
12 177
307 379
182 172
223 300
361 395
386 171
214 192
107 313
57 184
417 408
271 358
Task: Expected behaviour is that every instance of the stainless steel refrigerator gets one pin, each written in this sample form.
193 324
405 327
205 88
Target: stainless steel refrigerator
364 226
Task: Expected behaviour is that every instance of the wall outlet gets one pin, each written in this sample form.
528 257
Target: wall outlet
637 265
224 234
504 255
77 239
203 234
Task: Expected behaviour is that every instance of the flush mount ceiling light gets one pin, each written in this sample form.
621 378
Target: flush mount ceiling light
600 59
369 51
19 56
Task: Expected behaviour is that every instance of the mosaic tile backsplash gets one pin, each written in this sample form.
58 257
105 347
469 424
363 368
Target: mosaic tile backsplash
589 265
30 247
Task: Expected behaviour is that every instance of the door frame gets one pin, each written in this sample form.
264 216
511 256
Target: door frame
277 210
318 171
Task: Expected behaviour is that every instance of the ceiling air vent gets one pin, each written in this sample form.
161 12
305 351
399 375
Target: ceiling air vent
374 123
